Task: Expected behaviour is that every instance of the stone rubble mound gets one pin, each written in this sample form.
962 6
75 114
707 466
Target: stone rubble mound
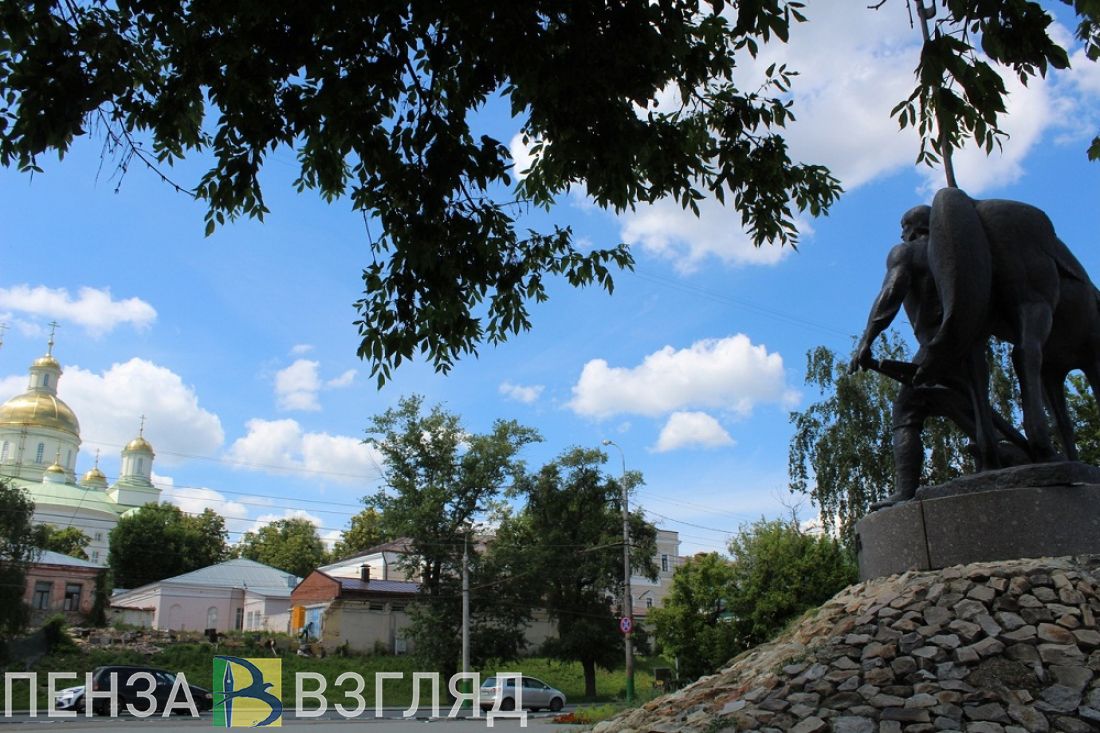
1000 647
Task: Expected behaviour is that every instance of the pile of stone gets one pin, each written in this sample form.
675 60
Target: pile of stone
1005 647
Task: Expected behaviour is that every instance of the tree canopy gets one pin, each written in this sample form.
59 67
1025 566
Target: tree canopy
635 101
160 541
440 480
68 541
692 625
17 549
568 543
290 544
363 532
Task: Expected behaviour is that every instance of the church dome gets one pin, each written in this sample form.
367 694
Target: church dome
138 444
46 361
94 478
40 409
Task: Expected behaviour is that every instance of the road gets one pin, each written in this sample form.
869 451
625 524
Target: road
538 723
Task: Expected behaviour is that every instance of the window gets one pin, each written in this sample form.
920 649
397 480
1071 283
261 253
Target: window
72 596
141 465
664 563
4 452
41 599
376 606
238 622
39 453
45 380
69 458
98 536
649 603
212 617
95 555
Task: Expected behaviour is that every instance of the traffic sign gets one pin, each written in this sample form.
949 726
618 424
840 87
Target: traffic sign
626 624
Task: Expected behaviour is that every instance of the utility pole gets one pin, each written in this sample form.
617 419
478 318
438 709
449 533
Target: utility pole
465 606
628 601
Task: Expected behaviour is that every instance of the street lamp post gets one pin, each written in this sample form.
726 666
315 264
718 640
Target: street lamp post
628 602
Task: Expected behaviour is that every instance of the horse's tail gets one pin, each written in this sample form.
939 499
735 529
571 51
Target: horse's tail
961 264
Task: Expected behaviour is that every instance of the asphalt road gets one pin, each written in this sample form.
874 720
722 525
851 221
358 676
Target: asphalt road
540 722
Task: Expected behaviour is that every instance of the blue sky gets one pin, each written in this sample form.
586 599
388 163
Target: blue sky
240 348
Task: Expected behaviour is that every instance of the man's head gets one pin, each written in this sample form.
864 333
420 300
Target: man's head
914 223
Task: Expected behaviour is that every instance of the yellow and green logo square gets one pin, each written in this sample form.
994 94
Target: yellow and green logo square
247 692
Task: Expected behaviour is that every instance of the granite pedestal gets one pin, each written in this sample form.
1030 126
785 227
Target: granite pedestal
1041 510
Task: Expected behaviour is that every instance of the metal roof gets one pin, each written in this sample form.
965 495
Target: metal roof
49 557
355 585
237 573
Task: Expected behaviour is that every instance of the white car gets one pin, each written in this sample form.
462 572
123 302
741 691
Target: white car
71 698
535 695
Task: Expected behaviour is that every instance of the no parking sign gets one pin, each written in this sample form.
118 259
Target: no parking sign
626 624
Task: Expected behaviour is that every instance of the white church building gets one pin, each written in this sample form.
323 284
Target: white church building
39 443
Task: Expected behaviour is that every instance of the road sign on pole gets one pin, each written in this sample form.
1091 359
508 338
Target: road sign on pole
626 624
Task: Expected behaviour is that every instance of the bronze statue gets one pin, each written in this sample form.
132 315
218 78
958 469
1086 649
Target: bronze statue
965 271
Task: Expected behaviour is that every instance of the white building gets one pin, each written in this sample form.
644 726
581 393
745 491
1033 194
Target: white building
39 443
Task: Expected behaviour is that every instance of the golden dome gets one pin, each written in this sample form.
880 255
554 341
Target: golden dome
39 409
55 468
94 477
45 361
139 443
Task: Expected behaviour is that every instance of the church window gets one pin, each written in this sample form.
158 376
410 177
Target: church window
4 451
98 536
42 595
95 555
141 465
45 380
72 596
40 453
69 458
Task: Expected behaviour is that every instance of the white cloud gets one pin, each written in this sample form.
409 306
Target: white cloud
110 405
521 155
666 230
344 380
296 387
300 349
194 500
730 374
521 393
281 446
691 429
854 64
94 310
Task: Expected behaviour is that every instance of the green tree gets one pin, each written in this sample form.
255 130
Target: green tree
380 104
159 541
569 541
1085 417
363 533
440 479
17 550
841 453
693 623
779 572
290 544
68 541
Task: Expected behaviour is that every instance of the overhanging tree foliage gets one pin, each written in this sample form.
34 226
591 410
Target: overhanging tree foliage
440 481
363 532
160 541
17 549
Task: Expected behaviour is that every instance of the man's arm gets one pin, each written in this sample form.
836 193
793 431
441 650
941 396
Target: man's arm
895 286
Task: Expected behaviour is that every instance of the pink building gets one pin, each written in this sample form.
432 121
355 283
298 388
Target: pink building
58 583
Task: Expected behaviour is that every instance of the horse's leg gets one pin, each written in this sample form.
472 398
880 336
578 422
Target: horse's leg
1027 356
1054 384
984 434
